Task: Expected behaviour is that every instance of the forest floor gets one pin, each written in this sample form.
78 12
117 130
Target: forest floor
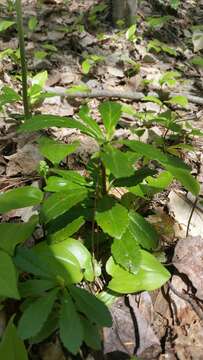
167 323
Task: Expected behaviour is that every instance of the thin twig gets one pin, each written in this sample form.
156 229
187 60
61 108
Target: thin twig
106 93
22 58
191 214
188 299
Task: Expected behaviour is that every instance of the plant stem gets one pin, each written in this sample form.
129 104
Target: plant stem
22 58
103 179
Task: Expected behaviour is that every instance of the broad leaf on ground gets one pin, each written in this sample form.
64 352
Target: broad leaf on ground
151 275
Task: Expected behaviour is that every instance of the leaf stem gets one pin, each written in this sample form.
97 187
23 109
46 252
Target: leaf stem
22 58
103 179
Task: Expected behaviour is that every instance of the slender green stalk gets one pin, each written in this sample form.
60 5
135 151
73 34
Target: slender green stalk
103 177
22 58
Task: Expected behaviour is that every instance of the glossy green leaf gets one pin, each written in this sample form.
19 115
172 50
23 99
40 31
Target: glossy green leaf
91 307
71 329
57 204
71 175
20 198
151 275
142 231
35 287
57 184
91 334
60 262
11 346
67 231
130 33
126 252
55 151
8 277
36 314
76 248
119 163
112 217
110 113
15 233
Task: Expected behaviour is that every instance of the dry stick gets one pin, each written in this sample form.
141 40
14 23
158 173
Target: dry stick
191 214
22 58
188 299
105 93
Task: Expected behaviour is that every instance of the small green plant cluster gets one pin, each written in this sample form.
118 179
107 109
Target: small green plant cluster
88 231
92 242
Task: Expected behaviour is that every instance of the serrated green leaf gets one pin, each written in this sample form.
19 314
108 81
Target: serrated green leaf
39 122
71 329
8 277
119 163
12 347
110 113
55 151
126 252
36 314
151 275
20 198
13 234
142 231
57 204
112 217
91 307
